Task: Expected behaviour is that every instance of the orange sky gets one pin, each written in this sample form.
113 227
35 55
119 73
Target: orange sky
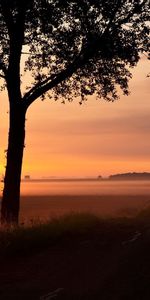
88 140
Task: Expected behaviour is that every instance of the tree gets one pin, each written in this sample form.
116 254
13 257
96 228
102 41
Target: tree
72 49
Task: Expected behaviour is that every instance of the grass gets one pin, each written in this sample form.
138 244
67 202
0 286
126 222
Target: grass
90 257
38 235
24 240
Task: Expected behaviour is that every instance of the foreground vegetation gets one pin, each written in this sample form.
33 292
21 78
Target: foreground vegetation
31 238
78 256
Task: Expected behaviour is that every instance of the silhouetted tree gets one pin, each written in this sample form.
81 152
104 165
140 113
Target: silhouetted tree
71 48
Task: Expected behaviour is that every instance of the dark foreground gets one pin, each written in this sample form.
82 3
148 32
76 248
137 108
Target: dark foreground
86 259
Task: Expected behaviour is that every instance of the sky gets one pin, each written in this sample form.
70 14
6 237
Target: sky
95 138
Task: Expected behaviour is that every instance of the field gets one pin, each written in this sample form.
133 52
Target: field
45 207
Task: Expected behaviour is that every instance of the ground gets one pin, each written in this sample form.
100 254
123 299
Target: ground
109 260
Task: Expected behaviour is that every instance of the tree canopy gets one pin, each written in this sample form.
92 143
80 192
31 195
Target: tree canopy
72 47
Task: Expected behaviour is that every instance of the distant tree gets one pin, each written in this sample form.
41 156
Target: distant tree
72 49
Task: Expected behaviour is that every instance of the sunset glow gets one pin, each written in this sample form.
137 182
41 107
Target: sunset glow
87 140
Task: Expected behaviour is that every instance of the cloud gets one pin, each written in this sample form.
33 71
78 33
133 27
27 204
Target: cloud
128 124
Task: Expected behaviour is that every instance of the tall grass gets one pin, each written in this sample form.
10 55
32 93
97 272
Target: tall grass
38 235
25 240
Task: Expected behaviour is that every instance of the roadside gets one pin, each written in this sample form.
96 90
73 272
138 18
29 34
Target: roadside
108 259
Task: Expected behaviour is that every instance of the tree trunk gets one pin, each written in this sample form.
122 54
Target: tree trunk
11 192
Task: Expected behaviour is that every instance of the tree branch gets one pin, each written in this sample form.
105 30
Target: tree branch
7 17
86 52
3 68
40 88
16 43
127 18
2 76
